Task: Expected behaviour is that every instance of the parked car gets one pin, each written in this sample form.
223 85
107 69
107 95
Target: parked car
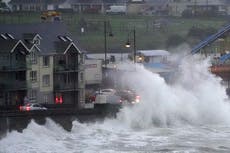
128 96
112 96
107 91
31 107
92 97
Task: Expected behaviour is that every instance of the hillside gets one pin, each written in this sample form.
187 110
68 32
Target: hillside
151 32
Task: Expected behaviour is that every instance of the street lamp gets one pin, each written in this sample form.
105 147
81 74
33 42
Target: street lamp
128 45
105 38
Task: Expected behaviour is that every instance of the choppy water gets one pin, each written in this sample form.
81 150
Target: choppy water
112 137
189 115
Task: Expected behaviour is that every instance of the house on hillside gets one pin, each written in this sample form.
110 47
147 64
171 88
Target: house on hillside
39 5
157 61
135 6
42 62
156 7
80 6
177 8
94 6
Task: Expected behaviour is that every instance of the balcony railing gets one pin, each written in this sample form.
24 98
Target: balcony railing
66 87
16 67
15 85
66 68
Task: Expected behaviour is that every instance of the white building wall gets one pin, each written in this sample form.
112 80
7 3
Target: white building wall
50 7
46 70
65 5
93 71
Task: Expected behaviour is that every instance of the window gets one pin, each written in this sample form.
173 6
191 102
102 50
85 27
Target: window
1 94
17 57
81 77
37 41
33 76
33 96
46 61
45 98
33 58
20 76
46 80
81 59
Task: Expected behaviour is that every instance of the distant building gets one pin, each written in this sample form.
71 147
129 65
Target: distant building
93 6
36 5
135 6
144 7
154 60
42 62
106 75
93 72
178 7
156 7
80 6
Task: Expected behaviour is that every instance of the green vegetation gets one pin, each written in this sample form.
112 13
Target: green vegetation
151 32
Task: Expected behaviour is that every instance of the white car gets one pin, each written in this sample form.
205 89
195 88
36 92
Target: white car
112 96
107 96
32 106
107 91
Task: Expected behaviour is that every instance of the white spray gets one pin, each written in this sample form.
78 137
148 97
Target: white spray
195 97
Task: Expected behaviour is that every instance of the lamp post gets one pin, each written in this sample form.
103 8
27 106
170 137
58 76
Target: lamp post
105 39
105 43
134 44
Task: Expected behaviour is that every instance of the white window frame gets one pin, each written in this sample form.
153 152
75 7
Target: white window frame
33 58
46 98
46 80
33 95
46 61
33 76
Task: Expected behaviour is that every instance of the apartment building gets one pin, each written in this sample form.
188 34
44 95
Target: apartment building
53 71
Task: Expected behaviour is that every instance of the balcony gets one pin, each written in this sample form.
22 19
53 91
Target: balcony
16 67
66 87
14 85
66 68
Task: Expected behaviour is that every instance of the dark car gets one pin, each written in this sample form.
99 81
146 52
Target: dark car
128 96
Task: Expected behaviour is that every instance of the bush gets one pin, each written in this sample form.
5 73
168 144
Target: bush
187 13
201 33
174 40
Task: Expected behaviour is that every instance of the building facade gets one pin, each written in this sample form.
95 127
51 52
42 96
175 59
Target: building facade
52 69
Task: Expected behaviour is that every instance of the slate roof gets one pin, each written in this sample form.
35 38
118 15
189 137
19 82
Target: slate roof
29 35
8 45
60 47
49 32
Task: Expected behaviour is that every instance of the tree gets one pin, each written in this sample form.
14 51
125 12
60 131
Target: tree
174 40
201 33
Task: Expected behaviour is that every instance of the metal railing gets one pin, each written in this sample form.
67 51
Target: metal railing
65 68
14 85
63 86
16 67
